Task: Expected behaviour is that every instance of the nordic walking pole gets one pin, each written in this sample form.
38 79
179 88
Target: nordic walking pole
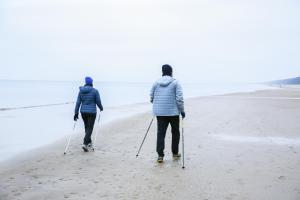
145 137
182 143
95 139
66 149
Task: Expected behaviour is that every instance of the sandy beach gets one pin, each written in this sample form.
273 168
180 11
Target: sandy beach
243 146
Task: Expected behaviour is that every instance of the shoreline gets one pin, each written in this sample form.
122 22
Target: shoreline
112 114
76 136
113 111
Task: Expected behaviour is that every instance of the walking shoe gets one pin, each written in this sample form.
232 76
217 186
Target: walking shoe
90 145
160 159
85 148
177 155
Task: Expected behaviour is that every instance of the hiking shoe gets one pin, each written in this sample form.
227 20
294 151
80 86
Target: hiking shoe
85 148
177 155
160 159
90 145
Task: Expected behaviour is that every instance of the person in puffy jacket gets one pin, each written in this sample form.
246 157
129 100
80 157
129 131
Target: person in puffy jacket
168 104
88 98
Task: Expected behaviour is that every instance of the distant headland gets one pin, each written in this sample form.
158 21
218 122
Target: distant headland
290 81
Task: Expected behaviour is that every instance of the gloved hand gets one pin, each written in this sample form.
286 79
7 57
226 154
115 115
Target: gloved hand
101 109
183 114
76 117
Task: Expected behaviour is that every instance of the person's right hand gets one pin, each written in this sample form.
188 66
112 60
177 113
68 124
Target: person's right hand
76 117
183 114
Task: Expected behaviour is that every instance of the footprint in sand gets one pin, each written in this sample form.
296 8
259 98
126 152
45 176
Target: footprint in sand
268 187
238 155
292 149
11 179
17 194
240 163
240 181
231 196
282 178
158 187
73 193
35 176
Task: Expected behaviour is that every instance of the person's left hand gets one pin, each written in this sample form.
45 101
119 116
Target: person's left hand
183 114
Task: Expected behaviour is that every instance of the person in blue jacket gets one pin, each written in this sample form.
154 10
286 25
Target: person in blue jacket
88 98
168 104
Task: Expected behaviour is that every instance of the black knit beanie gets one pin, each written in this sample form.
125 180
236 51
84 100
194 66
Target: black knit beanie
167 70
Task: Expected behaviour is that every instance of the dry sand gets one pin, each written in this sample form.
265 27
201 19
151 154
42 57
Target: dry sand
238 146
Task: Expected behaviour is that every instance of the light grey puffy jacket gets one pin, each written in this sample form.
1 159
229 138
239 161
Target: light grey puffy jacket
167 97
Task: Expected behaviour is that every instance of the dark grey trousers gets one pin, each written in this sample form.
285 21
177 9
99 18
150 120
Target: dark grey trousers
162 126
89 120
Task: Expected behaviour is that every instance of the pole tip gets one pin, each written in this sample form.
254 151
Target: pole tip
183 167
64 153
137 156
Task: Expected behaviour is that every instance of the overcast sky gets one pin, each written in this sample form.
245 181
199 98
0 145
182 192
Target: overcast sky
129 40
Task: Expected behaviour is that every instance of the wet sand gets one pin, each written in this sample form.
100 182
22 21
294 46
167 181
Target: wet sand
242 146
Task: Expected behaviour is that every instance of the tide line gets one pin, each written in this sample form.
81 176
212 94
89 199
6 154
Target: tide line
259 140
249 97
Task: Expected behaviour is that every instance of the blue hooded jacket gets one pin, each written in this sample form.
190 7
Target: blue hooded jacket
88 98
167 97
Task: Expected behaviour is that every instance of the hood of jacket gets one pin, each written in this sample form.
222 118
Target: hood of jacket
165 81
85 89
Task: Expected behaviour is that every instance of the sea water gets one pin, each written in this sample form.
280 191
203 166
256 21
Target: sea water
36 113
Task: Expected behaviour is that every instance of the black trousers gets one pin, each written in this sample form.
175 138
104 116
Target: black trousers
162 126
89 120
